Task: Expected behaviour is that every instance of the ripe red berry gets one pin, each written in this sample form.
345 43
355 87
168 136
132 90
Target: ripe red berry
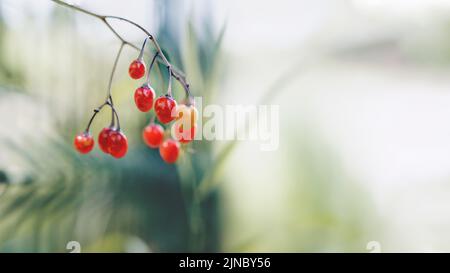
153 135
117 144
137 69
83 143
165 109
143 97
103 139
169 150
183 135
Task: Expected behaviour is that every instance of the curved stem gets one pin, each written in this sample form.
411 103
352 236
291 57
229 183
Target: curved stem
117 116
141 53
62 3
90 122
96 111
108 95
108 100
150 68
150 36
160 76
178 75
169 84
112 123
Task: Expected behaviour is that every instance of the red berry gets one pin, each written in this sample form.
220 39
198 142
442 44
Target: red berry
183 135
153 135
117 144
103 139
165 107
143 97
169 150
83 143
137 69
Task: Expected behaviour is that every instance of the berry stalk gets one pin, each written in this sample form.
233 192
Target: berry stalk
178 75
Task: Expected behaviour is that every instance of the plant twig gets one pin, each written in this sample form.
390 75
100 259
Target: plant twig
150 68
108 100
108 95
176 74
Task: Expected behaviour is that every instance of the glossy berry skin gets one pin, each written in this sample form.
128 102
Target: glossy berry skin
153 135
137 69
169 150
143 97
165 109
117 144
103 139
183 135
187 114
83 143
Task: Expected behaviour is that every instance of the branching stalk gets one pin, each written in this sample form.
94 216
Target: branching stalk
175 73
159 56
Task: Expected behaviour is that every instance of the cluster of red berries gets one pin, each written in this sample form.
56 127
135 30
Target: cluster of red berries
112 140
166 111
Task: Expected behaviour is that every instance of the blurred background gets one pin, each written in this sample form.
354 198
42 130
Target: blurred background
364 154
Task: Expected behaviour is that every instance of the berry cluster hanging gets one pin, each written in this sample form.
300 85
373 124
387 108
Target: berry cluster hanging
183 117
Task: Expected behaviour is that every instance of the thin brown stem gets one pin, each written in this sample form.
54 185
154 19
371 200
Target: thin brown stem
96 111
150 68
108 95
178 75
115 114
141 53
173 72
62 3
108 100
113 119
169 83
